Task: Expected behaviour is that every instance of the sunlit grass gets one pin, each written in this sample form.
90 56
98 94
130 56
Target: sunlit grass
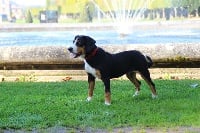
28 105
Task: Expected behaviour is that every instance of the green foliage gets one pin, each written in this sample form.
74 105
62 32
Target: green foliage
192 4
87 13
51 4
130 4
160 4
27 78
48 3
177 59
70 6
32 105
77 6
182 3
29 18
85 9
35 12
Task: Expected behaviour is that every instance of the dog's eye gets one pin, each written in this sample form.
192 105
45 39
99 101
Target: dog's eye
78 43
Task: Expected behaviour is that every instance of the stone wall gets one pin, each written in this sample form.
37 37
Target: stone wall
59 55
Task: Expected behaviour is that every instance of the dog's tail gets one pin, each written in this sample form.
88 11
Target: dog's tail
149 61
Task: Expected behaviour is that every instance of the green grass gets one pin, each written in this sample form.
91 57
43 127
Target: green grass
30 105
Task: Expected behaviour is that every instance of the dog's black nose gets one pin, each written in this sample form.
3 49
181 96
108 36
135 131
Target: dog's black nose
70 49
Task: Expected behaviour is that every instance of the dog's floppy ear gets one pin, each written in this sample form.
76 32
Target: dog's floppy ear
90 42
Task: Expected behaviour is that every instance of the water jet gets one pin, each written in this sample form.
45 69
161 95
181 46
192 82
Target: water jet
123 13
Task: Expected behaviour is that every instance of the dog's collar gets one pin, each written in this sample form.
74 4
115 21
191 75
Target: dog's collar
92 54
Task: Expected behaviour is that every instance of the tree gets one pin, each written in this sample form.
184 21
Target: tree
193 4
48 3
29 18
88 12
190 5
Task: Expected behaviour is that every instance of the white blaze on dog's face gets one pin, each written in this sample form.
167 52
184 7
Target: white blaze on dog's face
82 46
78 49
74 46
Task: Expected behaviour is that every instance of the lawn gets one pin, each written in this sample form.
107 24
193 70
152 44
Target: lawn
39 105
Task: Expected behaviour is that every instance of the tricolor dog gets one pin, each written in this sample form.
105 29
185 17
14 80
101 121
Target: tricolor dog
105 66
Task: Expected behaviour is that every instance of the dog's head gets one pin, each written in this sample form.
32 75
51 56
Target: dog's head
82 46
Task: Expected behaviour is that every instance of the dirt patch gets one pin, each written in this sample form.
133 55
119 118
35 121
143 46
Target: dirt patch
61 75
60 129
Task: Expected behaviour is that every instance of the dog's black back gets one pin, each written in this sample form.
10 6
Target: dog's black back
115 65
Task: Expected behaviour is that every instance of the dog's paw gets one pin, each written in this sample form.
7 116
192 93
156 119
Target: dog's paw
89 99
107 103
136 94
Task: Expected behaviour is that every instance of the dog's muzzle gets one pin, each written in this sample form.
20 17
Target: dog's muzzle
75 55
70 49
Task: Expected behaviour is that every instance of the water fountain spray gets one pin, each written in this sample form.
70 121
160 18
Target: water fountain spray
123 13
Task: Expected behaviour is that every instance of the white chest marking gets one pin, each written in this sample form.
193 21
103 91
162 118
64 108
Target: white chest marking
90 69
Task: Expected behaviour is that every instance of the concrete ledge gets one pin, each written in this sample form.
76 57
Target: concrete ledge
161 51
57 57
178 24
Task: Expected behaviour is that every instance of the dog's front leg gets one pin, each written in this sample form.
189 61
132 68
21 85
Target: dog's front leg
91 82
107 91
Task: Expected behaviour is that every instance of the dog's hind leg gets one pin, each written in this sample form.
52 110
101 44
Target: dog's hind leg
146 76
132 77
106 82
91 82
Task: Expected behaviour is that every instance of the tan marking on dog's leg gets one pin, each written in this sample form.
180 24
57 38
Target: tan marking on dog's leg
90 90
107 98
136 82
153 89
132 77
98 73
